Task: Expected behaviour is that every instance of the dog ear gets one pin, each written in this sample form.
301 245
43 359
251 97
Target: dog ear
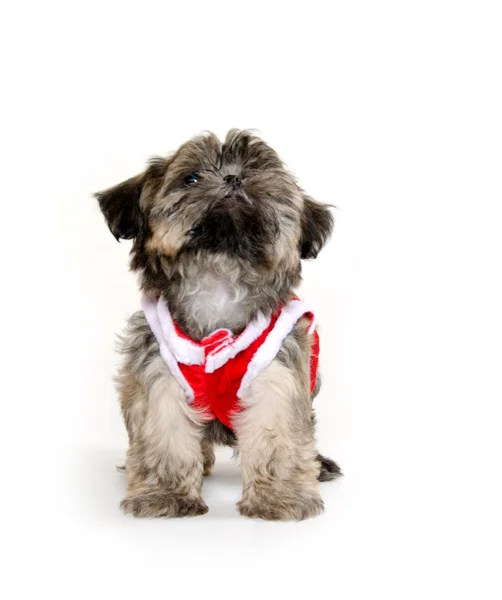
120 206
317 225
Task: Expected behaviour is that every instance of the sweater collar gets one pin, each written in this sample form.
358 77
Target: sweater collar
213 351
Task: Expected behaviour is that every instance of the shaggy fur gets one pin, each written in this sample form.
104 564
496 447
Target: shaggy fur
219 231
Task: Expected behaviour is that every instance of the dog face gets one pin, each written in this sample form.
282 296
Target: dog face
235 200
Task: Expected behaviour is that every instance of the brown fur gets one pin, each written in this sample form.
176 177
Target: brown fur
219 231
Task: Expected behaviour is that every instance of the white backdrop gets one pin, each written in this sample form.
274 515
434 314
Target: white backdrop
391 111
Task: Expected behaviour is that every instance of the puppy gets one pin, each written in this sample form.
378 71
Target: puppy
222 352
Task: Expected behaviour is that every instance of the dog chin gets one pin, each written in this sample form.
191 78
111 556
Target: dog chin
232 228
236 200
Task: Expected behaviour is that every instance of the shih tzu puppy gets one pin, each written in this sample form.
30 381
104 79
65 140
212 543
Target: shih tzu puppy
223 351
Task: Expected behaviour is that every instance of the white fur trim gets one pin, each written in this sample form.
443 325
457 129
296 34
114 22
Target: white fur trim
184 350
223 353
151 315
266 353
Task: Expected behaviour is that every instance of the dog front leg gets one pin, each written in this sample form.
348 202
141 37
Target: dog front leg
275 434
165 460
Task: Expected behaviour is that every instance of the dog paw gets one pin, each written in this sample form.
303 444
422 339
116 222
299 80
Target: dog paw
296 508
329 469
161 504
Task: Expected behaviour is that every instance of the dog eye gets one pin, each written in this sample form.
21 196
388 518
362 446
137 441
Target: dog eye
192 179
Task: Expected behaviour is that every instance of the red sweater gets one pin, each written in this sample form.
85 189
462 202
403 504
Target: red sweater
217 371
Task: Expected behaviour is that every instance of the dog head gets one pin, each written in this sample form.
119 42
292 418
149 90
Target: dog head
234 199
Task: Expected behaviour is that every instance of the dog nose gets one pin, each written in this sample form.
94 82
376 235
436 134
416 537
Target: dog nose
232 180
